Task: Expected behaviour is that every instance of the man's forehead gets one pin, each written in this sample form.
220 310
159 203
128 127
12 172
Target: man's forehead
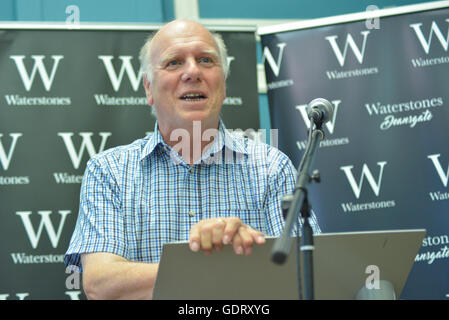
183 29
182 44
195 47
179 29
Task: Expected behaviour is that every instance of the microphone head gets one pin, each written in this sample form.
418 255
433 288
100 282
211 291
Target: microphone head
278 257
320 110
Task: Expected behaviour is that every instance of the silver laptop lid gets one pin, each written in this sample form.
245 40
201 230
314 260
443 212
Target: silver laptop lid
343 263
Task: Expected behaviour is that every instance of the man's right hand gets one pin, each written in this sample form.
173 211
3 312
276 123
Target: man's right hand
216 232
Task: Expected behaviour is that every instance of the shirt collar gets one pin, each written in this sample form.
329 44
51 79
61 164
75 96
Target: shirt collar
229 140
154 140
224 139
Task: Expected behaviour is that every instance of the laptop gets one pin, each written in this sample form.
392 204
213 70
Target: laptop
343 263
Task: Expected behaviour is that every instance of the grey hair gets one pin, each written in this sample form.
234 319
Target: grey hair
147 66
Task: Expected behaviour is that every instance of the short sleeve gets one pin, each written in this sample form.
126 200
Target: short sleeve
282 179
100 224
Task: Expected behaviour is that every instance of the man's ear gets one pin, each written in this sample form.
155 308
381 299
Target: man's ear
148 91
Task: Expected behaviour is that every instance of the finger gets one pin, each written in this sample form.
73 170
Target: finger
217 234
194 238
231 229
206 237
247 240
237 244
258 236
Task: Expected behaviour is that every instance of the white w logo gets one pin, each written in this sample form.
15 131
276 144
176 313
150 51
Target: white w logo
6 159
434 29
443 176
86 144
44 223
20 296
357 188
330 125
37 67
275 66
228 63
116 80
341 57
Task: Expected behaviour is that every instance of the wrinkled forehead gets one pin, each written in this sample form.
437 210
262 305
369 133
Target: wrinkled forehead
182 37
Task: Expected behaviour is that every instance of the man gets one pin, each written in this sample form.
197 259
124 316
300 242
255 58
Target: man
158 189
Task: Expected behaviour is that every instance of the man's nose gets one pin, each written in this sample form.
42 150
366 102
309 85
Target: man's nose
192 71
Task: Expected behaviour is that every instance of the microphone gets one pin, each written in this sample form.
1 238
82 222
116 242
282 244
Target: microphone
320 110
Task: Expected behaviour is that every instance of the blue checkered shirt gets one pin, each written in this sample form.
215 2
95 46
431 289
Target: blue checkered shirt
136 198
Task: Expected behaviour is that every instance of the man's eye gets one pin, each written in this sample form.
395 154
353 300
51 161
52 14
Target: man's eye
205 60
172 64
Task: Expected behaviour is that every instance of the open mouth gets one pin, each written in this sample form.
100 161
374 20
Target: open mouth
193 97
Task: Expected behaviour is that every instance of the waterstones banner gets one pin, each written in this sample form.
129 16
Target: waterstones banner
65 95
384 162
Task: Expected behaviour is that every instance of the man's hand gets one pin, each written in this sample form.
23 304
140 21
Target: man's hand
216 232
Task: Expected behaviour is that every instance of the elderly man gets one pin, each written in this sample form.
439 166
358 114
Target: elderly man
158 189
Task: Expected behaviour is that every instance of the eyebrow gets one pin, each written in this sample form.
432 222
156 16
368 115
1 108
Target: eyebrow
171 56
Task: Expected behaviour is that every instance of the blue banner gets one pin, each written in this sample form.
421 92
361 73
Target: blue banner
384 162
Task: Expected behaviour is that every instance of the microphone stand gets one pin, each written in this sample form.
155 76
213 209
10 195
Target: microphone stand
300 203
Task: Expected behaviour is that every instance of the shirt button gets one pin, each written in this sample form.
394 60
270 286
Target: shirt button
191 170
191 213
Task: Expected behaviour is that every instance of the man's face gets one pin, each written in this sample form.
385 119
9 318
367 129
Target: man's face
188 82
